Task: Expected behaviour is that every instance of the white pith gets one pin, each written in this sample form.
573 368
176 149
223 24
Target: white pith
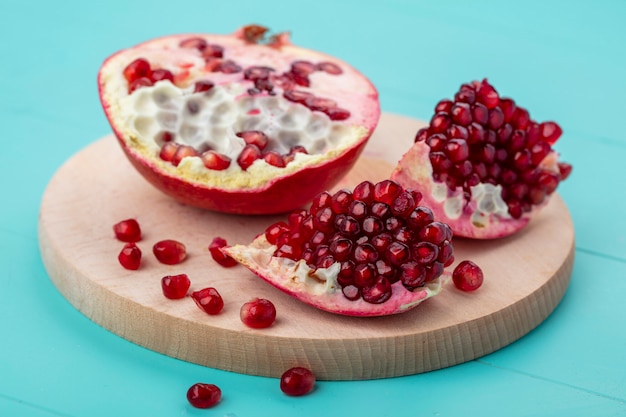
142 116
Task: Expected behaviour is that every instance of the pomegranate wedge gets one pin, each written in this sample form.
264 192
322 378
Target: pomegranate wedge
237 123
372 251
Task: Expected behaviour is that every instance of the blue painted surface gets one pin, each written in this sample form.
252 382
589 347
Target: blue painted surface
564 61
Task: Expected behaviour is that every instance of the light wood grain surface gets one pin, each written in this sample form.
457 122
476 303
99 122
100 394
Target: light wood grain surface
525 278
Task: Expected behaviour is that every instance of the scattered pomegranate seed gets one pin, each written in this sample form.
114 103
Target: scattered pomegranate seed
139 68
175 286
202 395
127 230
130 256
208 300
297 381
169 252
215 160
254 137
258 313
467 276
275 159
248 155
215 248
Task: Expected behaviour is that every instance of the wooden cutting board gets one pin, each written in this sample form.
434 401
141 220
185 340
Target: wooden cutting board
525 278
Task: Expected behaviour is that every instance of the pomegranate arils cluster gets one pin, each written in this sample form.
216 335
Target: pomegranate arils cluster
376 235
481 138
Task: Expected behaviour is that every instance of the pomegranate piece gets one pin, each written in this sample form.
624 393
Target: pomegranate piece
258 313
169 252
482 164
202 395
208 300
297 381
467 276
127 230
218 255
368 252
178 95
130 256
175 286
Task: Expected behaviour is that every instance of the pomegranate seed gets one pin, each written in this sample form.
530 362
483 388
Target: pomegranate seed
467 276
202 395
208 300
274 158
487 95
161 74
193 43
139 68
130 256
320 103
297 96
248 155
329 67
457 150
212 51
168 151
364 192
258 313
183 151
254 137
461 113
303 68
169 252
220 257
377 293
565 170
202 86
215 160
297 381
127 230
337 113
550 132
138 83
386 191
229 67
175 287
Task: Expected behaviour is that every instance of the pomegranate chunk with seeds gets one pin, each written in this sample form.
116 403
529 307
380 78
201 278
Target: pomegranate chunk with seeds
482 164
258 313
175 286
370 251
127 230
467 276
297 381
208 300
202 395
218 255
130 256
237 98
169 252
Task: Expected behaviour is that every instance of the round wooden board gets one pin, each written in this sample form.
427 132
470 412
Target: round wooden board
525 278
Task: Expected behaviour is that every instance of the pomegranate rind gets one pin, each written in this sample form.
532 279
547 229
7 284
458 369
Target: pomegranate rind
320 288
414 171
262 189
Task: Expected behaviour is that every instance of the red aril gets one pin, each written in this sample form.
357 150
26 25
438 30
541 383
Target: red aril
467 276
482 164
208 300
127 230
130 256
297 381
213 120
202 395
216 246
371 251
258 313
175 286
169 252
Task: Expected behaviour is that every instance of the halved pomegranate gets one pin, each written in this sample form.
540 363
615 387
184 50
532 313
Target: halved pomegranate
236 123
372 251
483 166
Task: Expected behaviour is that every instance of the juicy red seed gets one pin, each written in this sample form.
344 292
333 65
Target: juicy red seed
433 271
297 96
422 135
377 293
403 204
138 83
496 118
480 113
340 201
139 68
127 230
508 108
386 191
381 242
202 395
487 95
550 132
440 123
548 181
215 160
130 256
357 209
258 313
380 210
297 381
303 68
341 249
212 51
412 274
162 74
169 252
466 94
183 151
424 252
274 158
461 113
364 191
364 275
320 201
565 170
324 219
436 232
398 253
337 113
329 67
220 257
254 137
229 67
274 231
325 261
175 287
457 150
467 276
446 254
420 217
372 225
202 86
365 253
349 226
248 155
320 103
351 292
208 300
521 118
257 73
168 151
444 106
193 43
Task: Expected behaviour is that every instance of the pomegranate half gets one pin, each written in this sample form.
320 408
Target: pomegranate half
372 251
236 123
482 164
